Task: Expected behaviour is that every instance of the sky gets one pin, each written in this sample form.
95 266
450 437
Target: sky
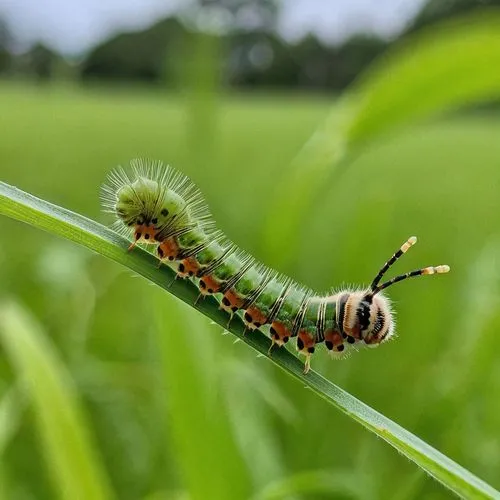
74 26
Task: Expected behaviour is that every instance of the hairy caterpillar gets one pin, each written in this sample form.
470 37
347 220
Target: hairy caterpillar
162 207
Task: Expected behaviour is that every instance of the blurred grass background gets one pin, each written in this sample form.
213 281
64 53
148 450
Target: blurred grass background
179 411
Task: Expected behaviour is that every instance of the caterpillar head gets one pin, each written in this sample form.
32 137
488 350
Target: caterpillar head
366 315
144 201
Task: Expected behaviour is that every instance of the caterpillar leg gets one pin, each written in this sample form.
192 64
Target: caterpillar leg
200 296
305 346
307 364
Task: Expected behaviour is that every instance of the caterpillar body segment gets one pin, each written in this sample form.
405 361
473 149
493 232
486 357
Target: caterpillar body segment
157 205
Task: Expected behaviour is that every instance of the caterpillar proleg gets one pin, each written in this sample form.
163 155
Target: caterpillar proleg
160 206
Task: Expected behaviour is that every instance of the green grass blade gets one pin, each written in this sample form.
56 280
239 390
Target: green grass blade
420 78
74 465
59 221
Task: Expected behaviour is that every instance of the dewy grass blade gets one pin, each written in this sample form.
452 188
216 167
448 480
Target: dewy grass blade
59 221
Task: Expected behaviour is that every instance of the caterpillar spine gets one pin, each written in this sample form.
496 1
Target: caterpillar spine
160 206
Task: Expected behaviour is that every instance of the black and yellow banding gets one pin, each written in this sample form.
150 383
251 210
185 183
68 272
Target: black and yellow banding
402 250
158 205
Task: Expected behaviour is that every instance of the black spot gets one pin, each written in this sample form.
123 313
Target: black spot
363 314
154 220
164 212
191 273
202 284
234 309
257 324
140 222
300 344
248 318
273 332
329 344
310 350
182 267
340 347
210 290
137 235
146 236
344 335
160 252
170 257
225 301
351 340
286 339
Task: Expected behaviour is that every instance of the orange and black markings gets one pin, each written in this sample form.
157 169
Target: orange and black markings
188 268
209 285
231 302
144 233
254 318
168 249
280 333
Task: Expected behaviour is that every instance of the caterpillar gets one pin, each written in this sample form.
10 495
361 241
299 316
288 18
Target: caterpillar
159 206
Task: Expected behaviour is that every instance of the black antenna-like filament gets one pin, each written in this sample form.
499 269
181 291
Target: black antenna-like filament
402 250
376 288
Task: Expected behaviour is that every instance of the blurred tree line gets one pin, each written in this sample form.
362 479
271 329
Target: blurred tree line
252 52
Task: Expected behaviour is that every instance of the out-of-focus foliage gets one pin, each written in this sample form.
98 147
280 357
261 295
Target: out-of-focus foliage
438 10
440 378
71 459
149 55
254 54
253 58
411 82
5 55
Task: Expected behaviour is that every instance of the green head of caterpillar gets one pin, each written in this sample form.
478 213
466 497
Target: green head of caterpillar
366 315
149 208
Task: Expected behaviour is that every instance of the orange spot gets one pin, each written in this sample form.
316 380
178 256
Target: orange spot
280 333
333 336
308 341
255 318
209 285
190 268
168 249
233 300
148 233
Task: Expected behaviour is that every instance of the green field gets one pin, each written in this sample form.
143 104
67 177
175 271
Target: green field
179 411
